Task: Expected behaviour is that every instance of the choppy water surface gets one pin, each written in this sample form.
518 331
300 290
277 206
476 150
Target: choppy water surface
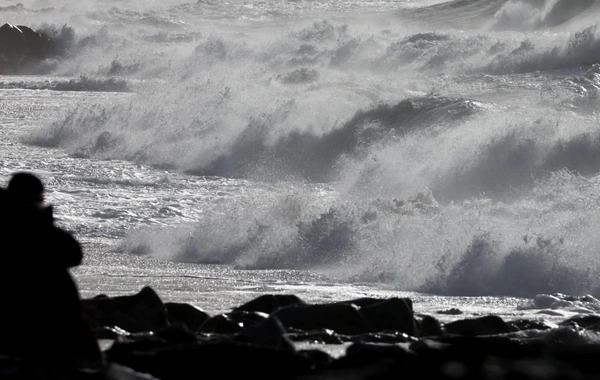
219 150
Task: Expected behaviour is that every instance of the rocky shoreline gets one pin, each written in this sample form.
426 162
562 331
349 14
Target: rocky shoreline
283 337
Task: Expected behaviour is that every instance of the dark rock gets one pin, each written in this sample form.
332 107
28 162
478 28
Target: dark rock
227 360
526 324
220 324
358 316
428 326
254 344
110 332
116 371
140 312
320 336
176 334
23 40
391 314
372 361
488 325
21 46
590 322
341 318
362 302
565 335
190 316
248 318
384 337
268 333
319 358
453 311
361 352
268 303
145 341
233 322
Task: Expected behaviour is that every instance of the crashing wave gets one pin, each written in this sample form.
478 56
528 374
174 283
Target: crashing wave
503 14
539 266
578 93
538 14
252 153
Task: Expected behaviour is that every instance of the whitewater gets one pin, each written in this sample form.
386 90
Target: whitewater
220 150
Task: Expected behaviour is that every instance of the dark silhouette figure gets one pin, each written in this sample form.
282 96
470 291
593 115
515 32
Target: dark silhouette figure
41 321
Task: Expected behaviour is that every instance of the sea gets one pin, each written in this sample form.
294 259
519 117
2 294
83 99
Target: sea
219 150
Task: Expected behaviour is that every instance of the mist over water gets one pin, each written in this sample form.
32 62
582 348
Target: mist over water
448 147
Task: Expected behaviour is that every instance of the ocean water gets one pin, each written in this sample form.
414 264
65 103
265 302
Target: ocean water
220 150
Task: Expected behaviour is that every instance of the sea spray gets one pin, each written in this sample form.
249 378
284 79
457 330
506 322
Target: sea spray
459 162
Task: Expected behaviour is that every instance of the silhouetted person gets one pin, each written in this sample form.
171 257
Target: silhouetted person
41 321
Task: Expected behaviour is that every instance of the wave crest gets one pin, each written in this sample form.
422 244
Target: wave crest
538 267
252 152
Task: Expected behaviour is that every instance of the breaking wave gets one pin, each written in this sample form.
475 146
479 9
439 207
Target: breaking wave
504 14
541 244
258 150
390 162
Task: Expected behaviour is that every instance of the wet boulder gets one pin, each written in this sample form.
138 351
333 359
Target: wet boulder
267 333
428 325
488 325
139 312
22 46
228 359
321 336
340 317
188 315
588 322
268 303
386 314
391 314
220 324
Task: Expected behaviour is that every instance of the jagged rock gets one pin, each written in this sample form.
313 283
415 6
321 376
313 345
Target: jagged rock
268 333
248 319
140 312
268 303
254 344
590 322
371 361
111 332
186 314
21 46
120 372
428 326
453 311
220 324
488 325
526 324
391 314
342 318
352 317
227 360
320 336
384 337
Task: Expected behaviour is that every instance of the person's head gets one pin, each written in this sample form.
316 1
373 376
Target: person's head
26 188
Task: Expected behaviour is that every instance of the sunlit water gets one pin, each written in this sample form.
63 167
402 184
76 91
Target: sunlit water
330 149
